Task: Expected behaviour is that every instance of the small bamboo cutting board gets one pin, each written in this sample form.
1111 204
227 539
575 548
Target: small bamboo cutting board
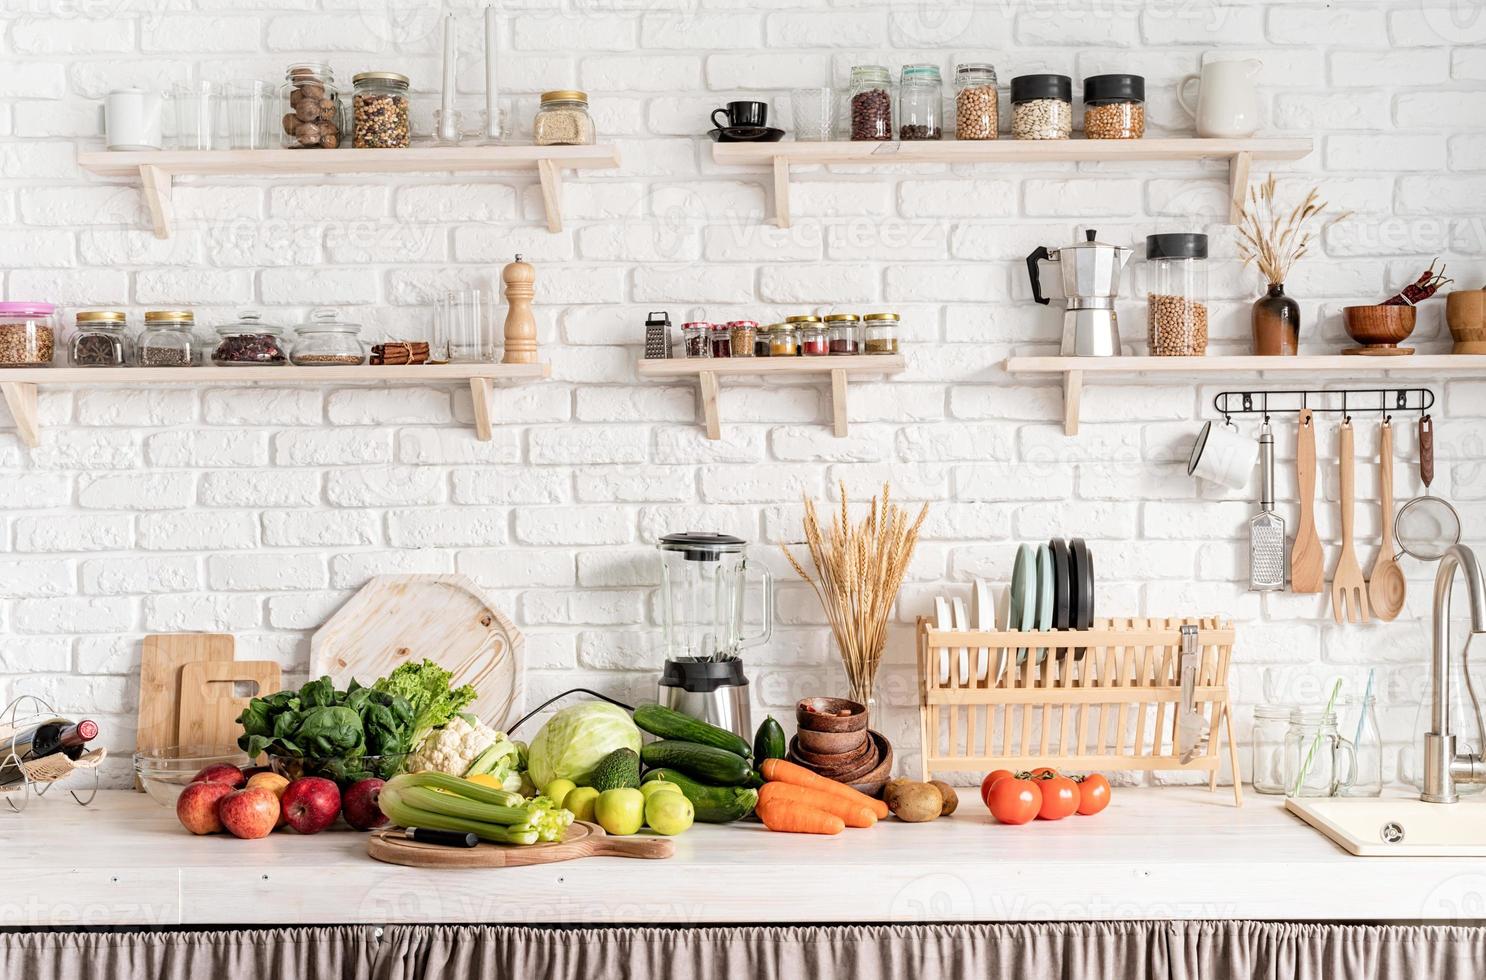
443 618
209 708
161 657
583 840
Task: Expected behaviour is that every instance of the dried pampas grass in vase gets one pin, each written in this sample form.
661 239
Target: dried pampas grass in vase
858 571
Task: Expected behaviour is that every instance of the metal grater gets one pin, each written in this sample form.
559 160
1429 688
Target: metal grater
1266 528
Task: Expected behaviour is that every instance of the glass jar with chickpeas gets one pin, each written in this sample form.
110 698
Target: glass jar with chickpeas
975 101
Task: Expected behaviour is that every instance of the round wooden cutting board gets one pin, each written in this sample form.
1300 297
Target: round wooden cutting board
583 840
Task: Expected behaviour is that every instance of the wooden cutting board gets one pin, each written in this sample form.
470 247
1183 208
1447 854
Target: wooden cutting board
161 657
443 618
583 840
209 706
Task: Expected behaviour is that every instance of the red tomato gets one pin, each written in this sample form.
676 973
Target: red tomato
1042 772
1093 794
1060 797
1015 801
992 778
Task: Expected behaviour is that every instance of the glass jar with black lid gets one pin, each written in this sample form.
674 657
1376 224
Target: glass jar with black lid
1041 107
1114 107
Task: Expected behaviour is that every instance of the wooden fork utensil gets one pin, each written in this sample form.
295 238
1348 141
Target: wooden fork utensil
1348 587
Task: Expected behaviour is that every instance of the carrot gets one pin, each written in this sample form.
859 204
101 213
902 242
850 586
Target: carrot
794 818
853 814
787 772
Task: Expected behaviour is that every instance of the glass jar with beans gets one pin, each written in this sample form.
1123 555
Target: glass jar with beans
100 338
380 110
168 340
1041 107
1177 294
976 110
870 103
563 119
920 103
313 116
1114 107
250 341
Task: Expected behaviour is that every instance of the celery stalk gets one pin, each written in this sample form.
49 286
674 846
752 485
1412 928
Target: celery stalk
400 812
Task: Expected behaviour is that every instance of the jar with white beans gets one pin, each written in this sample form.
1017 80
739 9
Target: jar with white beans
1042 107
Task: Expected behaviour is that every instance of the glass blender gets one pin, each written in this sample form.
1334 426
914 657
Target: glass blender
704 585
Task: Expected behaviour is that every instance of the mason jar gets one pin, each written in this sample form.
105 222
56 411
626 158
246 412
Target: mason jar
696 338
1318 761
741 337
870 103
976 97
920 103
1267 770
563 119
380 110
312 119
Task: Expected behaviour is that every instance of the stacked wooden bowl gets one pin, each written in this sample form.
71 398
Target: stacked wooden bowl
833 740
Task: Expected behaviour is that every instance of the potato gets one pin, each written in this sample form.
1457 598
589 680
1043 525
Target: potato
951 798
917 803
891 789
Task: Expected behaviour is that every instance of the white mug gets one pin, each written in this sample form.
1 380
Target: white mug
132 119
1227 100
1224 456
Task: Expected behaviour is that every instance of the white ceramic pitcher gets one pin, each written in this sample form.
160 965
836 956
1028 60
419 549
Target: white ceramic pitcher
1227 100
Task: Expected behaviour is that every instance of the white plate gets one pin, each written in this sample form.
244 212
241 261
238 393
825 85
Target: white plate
943 623
962 622
983 617
1003 622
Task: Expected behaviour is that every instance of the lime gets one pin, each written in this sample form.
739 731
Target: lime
668 813
620 811
656 785
558 789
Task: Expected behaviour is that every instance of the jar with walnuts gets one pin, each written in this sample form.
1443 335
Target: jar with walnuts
312 116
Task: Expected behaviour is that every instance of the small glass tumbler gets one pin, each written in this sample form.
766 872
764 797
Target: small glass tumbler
815 112
250 123
1359 721
465 323
198 117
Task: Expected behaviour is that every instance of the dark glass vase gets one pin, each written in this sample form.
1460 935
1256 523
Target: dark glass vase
1276 320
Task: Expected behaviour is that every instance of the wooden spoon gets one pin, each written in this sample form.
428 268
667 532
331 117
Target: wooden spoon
1386 587
1307 572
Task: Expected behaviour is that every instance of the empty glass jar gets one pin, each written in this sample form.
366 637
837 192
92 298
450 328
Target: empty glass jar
1318 761
169 340
1271 724
1359 721
100 338
920 103
326 341
250 341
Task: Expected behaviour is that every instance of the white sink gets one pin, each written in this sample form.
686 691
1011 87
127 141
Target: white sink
1404 827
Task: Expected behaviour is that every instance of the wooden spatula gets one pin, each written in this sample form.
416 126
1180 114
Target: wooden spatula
1307 571
1348 587
1386 588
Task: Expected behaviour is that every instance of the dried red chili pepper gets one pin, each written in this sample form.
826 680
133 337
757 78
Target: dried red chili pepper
1421 289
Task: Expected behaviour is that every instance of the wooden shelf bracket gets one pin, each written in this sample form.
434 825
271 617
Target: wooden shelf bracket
1073 393
20 398
158 186
781 192
551 178
1238 184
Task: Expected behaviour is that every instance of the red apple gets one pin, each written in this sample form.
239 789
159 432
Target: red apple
220 772
311 804
360 805
249 813
196 807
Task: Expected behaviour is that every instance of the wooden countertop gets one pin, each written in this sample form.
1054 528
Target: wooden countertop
1155 854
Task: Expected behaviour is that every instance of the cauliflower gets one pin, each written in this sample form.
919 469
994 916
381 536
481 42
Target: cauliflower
466 746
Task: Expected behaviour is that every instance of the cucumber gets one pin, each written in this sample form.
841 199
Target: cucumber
769 742
713 804
702 762
664 723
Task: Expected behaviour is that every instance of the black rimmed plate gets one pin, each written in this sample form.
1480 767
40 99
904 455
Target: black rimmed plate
746 134
1062 585
1083 588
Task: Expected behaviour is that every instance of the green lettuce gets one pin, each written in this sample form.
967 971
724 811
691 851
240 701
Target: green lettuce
425 687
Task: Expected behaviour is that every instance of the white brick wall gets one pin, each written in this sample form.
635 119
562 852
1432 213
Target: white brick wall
260 509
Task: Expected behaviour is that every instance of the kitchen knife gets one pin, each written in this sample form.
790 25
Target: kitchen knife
443 838
1191 739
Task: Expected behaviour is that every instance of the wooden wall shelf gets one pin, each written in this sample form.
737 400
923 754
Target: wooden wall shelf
19 385
157 169
1240 154
707 370
1321 367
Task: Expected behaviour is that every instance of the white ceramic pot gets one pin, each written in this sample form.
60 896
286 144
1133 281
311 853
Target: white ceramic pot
1227 104
132 119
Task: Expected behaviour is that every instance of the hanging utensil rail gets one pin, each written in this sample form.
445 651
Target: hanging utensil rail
1384 401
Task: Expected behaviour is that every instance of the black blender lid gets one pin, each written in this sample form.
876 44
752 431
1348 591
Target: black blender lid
702 545
1180 245
1025 88
1113 88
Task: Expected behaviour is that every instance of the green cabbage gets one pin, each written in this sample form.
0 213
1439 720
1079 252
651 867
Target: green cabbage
573 741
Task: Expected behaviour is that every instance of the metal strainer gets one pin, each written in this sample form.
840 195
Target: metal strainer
1426 526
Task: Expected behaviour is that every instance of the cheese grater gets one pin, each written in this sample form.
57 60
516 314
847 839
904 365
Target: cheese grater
1266 528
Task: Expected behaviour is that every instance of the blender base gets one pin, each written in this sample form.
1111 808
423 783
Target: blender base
714 691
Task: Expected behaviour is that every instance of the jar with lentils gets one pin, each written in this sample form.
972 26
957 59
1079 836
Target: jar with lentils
741 337
870 103
881 333
1177 294
313 119
100 338
975 101
380 110
1042 107
1114 107
563 119
28 334
169 340
920 103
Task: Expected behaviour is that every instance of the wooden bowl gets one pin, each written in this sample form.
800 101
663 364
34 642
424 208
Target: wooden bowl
825 718
1465 312
1379 329
828 764
830 743
875 781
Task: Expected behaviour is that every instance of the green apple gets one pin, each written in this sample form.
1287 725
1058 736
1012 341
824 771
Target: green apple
620 811
656 785
580 801
558 790
668 813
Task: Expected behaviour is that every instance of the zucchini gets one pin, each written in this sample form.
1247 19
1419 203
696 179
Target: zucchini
712 804
664 723
701 762
769 742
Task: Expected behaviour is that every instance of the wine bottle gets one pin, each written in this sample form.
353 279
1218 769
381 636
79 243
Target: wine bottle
38 741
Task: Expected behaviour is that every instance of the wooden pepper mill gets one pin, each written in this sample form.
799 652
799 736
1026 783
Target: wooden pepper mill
521 326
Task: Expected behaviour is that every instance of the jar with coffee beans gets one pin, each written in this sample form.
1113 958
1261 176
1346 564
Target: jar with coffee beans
312 119
975 101
1041 107
920 103
380 110
1114 107
1177 295
870 103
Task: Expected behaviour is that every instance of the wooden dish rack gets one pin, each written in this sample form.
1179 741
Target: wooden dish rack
1101 699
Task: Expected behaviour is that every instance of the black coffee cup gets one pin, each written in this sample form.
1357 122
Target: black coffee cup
741 114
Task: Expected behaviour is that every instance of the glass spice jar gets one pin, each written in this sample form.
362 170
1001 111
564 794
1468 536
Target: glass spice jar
761 341
100 339
313 119
920 103
563 119
168 340
696 338
380 110
1042 107
326 341
870 103
1114 107
28 333
881 333
843 330
722 340
814 340
741 336
784 341
976 109
250 341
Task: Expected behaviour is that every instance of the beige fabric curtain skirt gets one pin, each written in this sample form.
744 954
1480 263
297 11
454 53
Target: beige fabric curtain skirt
1036 951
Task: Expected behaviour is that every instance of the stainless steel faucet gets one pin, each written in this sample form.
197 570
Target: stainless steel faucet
1443 766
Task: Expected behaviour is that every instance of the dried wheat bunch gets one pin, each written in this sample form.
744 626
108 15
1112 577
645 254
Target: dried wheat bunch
1273 239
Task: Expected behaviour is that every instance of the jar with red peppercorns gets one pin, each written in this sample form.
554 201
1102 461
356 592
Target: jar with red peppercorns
250 341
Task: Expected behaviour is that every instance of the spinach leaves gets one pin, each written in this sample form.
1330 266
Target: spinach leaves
340 728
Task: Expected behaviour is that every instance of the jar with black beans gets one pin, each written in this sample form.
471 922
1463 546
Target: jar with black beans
871 103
